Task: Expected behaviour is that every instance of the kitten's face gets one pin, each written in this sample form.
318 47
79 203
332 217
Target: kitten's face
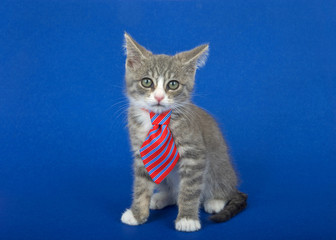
160 82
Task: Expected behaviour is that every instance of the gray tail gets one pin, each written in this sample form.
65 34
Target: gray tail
237 204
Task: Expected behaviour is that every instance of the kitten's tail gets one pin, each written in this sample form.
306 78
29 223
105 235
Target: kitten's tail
237 204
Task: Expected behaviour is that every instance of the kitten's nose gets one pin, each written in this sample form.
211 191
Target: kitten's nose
159 98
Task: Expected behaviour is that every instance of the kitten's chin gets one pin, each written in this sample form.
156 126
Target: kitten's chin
147 106
158 109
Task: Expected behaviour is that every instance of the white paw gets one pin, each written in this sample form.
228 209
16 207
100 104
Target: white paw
160 200
187 225
213 206
128 218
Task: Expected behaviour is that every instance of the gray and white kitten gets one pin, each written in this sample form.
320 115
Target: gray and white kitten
204 174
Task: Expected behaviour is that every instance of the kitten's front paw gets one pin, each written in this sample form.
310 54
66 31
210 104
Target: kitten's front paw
187 225
128 218
160 200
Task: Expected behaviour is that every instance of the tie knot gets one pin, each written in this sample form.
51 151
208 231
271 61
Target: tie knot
160 119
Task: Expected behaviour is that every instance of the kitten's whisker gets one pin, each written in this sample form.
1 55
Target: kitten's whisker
178 110
121 110
118 86
119 117
181 108
121 103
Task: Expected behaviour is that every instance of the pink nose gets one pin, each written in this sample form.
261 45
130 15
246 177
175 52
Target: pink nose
159 98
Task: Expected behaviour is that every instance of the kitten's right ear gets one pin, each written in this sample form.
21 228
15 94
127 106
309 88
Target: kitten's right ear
135 52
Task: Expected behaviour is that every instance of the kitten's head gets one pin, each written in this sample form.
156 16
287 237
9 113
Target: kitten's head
161 82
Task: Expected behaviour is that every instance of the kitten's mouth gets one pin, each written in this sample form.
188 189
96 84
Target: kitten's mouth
157 105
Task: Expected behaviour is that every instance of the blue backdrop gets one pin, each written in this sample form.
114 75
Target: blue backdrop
65 164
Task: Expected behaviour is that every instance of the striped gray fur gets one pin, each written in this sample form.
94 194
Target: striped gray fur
204 171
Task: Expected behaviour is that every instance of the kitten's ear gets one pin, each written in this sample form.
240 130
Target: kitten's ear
135 52
197 56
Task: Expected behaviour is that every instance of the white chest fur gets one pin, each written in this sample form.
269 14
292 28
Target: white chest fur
143 118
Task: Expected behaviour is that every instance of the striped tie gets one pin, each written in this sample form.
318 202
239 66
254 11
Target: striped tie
158 152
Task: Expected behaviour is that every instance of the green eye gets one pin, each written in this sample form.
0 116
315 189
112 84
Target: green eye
146 82
173 85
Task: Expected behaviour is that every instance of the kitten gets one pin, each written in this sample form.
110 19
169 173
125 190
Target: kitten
203 174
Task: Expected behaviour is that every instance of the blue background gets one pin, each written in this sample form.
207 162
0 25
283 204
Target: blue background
64 150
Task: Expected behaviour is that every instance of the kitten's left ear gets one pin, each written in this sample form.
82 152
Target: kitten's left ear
197 56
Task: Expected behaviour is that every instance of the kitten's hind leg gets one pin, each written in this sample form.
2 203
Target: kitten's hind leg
163 198
214 205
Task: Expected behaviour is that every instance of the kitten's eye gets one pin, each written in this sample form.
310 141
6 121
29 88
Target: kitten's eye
173 85
146 82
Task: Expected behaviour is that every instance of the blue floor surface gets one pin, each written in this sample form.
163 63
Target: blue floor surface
270 80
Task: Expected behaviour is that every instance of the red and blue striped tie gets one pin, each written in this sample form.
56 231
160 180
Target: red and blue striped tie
158 152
